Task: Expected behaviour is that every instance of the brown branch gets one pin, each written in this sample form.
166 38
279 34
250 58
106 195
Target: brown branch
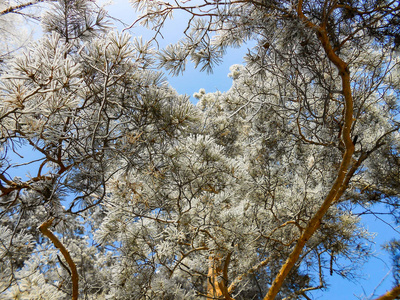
74 273
302 135
222 284
184 255
249 272
339 186
391 295
14 9
16 186
217 277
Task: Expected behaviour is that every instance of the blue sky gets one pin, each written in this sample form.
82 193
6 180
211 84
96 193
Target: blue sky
192 79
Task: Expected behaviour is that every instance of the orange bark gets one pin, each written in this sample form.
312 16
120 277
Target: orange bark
339 186
391 295
218 277
44 228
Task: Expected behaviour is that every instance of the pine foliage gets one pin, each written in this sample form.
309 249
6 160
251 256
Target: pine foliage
252 193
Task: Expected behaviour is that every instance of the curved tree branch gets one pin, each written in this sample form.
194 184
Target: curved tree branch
391 295
44 229
339 186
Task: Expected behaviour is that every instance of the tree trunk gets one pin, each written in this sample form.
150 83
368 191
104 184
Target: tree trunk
218 277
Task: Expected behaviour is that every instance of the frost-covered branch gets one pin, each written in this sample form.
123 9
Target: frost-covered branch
19 7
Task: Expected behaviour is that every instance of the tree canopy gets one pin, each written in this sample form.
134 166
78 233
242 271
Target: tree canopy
134 192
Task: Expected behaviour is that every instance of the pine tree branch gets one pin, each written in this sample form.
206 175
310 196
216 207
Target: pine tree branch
339 185
74 273
238 279
14 9
391 295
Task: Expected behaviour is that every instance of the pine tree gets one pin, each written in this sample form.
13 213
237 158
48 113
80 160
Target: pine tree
82 99
323 74
139 194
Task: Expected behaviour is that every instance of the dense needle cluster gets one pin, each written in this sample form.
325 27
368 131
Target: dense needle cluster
252 193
